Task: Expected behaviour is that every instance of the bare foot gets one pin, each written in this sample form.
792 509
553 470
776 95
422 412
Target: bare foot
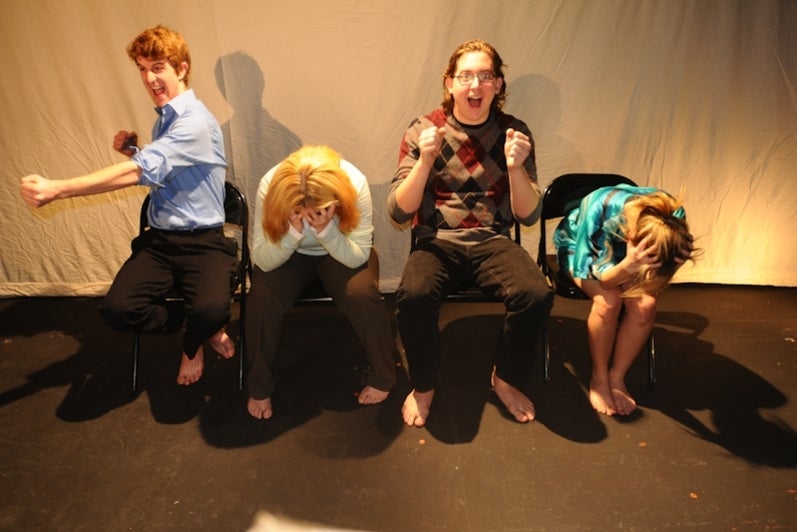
623 402
416 407
260 408
371 396
601 397
191 368
514 400
222 344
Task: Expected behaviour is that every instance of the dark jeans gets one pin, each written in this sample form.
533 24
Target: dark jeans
355 292
201 265
502 268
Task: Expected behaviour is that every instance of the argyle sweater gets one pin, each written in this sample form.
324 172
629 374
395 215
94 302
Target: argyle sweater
466 198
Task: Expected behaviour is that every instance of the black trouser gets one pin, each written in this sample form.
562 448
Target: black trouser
355 292
502 268
200 264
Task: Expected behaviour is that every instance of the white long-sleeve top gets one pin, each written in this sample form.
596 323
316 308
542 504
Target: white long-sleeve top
351 250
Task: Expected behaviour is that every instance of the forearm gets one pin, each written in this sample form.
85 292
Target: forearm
110 178
268 255
615 276
350 250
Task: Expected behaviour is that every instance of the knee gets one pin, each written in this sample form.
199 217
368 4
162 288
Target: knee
121 312
362 299
412 292
607 306
417 306
208 312
112 308
531 297
642 310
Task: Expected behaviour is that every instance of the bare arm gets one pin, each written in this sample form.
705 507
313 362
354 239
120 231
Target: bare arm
638 255
38 191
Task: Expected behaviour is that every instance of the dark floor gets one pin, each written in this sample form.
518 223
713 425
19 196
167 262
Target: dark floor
713 446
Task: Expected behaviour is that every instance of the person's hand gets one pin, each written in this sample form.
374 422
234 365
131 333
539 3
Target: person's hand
296 219
641 254
685 253
319 218
37 190
123 142
516 148
430 142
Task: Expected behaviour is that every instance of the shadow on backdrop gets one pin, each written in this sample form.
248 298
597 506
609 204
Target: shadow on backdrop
536 100
254 140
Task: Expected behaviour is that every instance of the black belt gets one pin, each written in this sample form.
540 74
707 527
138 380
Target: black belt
186 232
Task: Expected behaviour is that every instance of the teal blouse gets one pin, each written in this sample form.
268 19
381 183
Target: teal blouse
590 240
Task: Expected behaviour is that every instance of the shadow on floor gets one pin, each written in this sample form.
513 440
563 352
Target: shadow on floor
708 394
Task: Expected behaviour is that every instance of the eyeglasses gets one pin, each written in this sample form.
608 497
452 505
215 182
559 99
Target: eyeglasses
466 78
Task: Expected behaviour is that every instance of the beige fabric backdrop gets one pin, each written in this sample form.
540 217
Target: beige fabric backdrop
696 97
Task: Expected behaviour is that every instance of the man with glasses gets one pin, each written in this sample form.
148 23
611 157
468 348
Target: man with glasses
465 173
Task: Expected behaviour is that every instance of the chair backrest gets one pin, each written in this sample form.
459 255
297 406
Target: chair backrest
235 209
559 198
236 212
566 191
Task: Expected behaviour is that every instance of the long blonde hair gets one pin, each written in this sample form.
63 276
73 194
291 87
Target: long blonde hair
310 177
669 237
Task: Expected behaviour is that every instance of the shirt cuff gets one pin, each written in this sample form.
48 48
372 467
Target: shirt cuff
324 232
294 233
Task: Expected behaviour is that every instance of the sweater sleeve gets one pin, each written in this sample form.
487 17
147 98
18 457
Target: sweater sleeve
352 250
408 156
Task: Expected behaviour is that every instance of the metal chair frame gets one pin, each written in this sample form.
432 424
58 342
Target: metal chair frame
236 214
559 198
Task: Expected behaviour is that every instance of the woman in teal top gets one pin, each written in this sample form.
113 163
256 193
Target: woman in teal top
622 246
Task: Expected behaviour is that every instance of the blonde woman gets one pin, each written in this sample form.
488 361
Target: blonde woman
313 219
622 246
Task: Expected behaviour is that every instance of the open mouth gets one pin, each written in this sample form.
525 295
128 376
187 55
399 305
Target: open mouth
474 102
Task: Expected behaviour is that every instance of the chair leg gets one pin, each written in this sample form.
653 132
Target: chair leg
136 345
241 366
547 353
242 337
651 359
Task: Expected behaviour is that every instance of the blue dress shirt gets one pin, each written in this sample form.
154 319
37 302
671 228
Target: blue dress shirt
184 167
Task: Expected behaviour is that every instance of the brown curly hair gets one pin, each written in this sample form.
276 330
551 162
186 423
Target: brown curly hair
474 45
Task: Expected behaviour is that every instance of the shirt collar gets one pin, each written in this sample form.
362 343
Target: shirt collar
177 104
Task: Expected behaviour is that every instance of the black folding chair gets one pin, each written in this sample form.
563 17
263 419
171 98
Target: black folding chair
559 198
237 223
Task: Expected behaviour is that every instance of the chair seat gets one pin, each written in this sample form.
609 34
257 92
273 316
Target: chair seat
470 292
314 293
562 283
